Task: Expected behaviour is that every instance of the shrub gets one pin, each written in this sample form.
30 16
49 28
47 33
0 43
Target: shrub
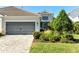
48 32
55 37
36 35
46 35
67 38
44 38
50 36
76 28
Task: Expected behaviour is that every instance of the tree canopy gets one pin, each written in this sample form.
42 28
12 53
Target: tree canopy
62 22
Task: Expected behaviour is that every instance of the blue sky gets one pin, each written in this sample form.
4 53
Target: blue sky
53 9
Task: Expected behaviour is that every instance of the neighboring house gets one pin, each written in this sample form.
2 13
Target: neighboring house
14 21
46 17
74 15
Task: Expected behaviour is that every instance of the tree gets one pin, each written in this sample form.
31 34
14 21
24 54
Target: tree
61 22
76 27
50 24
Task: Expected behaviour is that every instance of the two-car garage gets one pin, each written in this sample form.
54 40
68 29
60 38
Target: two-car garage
20 28
15 21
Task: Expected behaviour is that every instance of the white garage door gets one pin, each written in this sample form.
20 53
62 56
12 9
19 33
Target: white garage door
20 28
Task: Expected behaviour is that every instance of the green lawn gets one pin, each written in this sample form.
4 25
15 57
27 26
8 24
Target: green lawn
76 36
40 47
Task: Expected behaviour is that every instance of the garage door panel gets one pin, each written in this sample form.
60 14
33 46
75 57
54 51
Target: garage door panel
20 28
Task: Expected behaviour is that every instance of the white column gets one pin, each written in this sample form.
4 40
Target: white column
37 26
4 27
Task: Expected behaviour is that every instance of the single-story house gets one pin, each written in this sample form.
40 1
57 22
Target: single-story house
15 21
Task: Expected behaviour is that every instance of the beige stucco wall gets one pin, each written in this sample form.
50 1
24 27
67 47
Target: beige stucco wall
21 17
35 19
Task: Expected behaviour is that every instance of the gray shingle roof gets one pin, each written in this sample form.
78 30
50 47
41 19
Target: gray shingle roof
13 11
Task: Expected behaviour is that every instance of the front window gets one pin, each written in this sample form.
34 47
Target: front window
45 17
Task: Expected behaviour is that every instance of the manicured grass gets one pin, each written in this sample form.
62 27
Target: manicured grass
40 47
76 36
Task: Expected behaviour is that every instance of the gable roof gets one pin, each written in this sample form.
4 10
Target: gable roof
13 11
74 13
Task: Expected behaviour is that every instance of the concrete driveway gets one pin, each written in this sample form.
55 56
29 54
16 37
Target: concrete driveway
15 43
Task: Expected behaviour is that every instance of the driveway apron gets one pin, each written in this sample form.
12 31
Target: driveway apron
15 43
